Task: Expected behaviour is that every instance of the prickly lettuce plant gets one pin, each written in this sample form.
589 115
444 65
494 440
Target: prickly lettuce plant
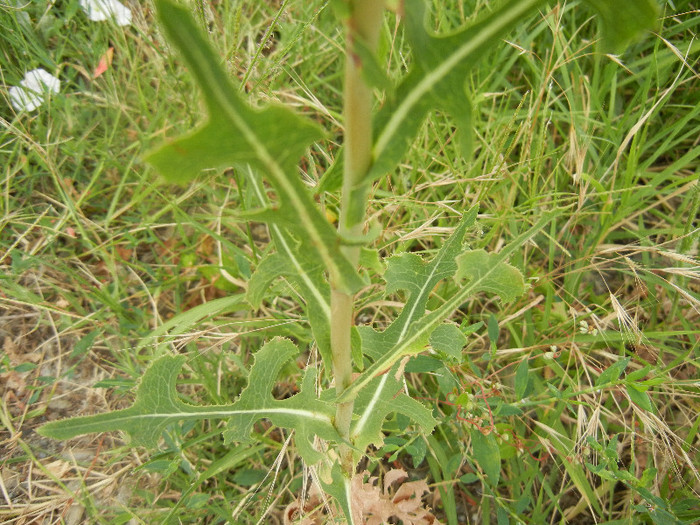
321 261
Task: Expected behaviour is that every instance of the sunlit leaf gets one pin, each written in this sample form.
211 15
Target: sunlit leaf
416 335
493 275
448 339
270 139
408 272
303 412
158 405
639 398
613 372
436 80
384 396
305 273
442 63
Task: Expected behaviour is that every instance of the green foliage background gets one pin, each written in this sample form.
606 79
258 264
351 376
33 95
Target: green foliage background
97 254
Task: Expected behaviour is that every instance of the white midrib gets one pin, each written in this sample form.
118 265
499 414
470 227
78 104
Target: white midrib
348 497
440 314
422 291
273 167
360 425
308 414
433 77
320 299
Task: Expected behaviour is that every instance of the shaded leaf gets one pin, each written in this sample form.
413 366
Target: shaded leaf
622 20
492 329
521 379
189 319
371 70
339 486
487 454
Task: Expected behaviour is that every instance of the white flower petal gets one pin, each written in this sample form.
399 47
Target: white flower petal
30 93
23 100
40 81
100 10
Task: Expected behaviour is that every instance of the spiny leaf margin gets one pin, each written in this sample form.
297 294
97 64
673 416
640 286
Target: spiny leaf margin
418 335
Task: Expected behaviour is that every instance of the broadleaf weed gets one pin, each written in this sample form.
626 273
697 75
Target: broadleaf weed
343 404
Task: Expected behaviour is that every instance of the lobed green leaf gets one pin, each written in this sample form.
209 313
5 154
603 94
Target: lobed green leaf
442 63
270 139
623 20
305 273
157 406
448 339
436 80
493 274
382 397
408 272
307 415
417 334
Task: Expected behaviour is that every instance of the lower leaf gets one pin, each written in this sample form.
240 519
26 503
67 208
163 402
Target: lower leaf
158 405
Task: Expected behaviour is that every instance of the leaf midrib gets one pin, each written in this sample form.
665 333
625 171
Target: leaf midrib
424 325
434 76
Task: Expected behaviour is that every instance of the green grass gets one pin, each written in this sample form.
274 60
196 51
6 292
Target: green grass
96 253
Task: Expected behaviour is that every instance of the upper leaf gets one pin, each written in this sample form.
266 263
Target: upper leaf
622 20
272 139
437 78
441 65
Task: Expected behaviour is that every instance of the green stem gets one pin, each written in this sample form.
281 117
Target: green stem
364 23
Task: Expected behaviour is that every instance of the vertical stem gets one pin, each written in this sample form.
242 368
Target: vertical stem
364 23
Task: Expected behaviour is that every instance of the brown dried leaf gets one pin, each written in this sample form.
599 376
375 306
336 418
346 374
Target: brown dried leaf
58 468
395 474
375 507
308 513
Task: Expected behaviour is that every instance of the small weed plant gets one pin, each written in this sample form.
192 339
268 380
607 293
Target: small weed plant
343 400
